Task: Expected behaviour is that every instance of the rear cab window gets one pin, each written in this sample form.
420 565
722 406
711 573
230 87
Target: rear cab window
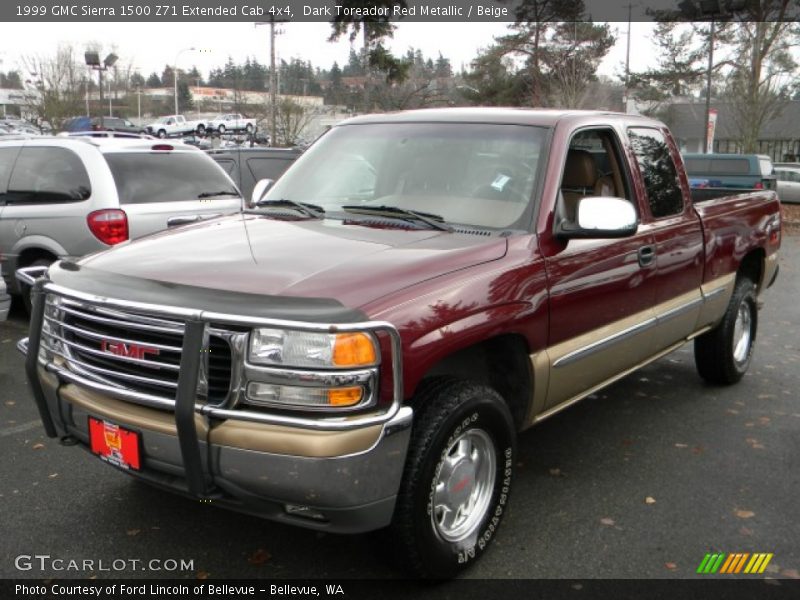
656 164
145 177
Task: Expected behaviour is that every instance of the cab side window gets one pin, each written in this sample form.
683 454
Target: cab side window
658 171
592 168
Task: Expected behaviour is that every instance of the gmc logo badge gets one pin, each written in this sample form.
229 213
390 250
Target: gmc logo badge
129 350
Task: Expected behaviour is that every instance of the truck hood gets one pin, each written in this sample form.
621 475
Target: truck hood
353 264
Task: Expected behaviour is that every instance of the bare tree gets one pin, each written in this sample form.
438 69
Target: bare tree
759 85
292 119
56 84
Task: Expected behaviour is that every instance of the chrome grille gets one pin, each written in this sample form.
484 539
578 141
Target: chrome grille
133 351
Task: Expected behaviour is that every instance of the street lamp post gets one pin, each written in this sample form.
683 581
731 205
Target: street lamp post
93 61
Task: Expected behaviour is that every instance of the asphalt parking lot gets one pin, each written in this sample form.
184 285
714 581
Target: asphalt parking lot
639 481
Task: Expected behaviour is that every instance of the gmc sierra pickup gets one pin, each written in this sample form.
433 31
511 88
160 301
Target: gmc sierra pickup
360 349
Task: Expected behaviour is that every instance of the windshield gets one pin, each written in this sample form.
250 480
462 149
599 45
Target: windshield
479 175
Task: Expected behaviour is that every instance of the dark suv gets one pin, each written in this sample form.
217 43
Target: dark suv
246 166
102 124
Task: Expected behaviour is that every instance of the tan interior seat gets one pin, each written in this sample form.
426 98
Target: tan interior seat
580 177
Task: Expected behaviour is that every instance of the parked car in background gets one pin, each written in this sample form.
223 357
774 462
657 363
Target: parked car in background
19 127
231 122
743 171
788 183
102 124
63 197
5 300
173 125
246 166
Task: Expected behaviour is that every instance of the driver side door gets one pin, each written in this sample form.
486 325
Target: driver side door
602 291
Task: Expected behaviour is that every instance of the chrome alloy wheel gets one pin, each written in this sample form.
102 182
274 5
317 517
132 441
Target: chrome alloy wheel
742 333
464 484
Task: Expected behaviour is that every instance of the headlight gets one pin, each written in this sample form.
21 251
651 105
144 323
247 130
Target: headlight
305 349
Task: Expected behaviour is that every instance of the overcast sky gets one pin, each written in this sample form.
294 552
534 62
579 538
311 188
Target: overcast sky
151 46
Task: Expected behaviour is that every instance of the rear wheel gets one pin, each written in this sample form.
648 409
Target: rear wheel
723 354
162 133
249 128
221 128
201 129
457 477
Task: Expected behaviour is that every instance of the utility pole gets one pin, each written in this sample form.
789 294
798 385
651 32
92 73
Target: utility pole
273 86
708 84
273 82
365 25
628 60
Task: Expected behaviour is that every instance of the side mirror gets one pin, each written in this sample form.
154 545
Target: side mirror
601 217
259 191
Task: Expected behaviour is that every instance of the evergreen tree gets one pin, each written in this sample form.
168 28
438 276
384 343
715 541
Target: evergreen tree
153 81
185 100
136 81
11 80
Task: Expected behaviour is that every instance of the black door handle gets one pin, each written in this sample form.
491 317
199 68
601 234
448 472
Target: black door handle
646 255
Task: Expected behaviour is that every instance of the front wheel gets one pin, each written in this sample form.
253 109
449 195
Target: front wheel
249 128
201 129
457 477
162 133
723 355
221 129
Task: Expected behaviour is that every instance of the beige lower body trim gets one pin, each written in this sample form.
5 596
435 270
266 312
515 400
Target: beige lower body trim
125 413
558 408
293 441
570 371
273 439
717 295
770 266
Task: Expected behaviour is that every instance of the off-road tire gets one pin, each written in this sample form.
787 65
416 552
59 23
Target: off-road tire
452 415
723 354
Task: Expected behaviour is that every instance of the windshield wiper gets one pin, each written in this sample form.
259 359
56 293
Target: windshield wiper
219 193
311 210
430 219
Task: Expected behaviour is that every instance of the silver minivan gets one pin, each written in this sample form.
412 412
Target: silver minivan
64 197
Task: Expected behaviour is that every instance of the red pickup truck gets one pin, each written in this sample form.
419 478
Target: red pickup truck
361 347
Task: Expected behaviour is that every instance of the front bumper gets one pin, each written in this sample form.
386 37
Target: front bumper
338 475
